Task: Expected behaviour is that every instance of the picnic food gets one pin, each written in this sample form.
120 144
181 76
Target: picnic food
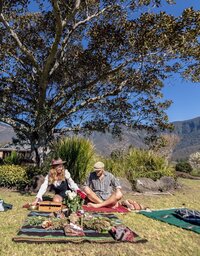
98 223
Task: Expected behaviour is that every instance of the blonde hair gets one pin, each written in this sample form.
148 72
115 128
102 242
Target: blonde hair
53 175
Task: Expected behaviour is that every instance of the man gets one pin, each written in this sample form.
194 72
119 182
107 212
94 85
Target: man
102 188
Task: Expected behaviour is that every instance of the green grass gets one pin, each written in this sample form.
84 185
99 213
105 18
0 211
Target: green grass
163 239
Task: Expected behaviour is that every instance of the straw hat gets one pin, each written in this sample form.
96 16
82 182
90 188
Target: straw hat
57 162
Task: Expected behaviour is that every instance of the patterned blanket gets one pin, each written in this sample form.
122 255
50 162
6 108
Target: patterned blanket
118 233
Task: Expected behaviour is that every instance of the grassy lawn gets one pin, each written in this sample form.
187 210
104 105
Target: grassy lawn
163 239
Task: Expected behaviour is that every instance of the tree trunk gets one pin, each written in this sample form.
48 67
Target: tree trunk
37 157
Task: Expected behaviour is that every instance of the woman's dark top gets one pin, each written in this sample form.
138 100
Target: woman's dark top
61 189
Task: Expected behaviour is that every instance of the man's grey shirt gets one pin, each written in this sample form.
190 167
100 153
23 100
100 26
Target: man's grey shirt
104 187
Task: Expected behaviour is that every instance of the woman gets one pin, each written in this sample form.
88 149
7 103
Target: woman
60 181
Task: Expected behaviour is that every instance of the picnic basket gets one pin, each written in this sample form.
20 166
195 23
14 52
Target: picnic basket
49 206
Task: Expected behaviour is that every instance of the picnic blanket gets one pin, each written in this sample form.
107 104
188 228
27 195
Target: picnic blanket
119 209
119 233
170 216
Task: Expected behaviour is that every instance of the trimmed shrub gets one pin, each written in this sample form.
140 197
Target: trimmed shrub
79 156
13 176
183 166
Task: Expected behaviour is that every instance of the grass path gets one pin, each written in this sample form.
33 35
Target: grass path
163 239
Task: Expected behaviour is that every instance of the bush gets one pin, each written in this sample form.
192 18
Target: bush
195 172
144 163
138 163
115 166
13 176
194 160
14 158
79 156
183 166
32 171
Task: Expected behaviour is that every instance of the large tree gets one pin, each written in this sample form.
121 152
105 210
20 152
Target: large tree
89 65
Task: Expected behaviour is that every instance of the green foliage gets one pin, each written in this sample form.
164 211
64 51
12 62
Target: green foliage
78 154
115 165
32 171
117 154
13 158
46 65
138 163
183 166
144 163
195 172
73 201
35 221
13 176
98 223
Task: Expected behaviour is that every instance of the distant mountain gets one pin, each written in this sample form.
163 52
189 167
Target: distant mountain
105 143
6 134
188 132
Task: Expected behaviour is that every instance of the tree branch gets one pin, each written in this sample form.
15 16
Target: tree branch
76 25
19 43
69 129
13 80
87 9
52 54
20 123
91 101
89 85
73 12
58 35
17 59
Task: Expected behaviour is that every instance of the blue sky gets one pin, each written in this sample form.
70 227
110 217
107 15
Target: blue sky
184 94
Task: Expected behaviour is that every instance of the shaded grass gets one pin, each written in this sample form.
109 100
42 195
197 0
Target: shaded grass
163 239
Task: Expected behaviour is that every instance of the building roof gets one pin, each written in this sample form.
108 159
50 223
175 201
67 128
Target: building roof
13 149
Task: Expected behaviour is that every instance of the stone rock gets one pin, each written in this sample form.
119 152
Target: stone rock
37 182
126 185
166 183
146 184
